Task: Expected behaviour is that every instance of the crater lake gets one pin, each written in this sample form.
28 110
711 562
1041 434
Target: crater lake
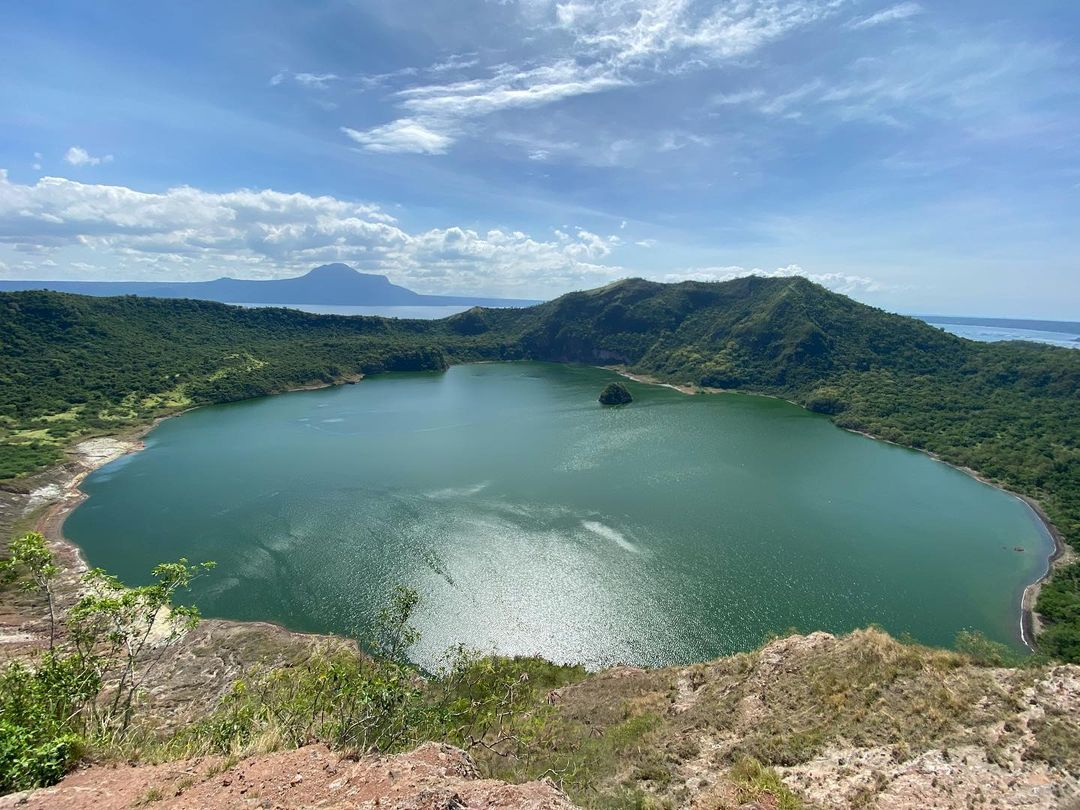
532 520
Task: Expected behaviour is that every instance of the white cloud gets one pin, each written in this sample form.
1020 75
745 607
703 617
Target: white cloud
507 88
845 283
674 141
988 86
314 81
646 243
317 80
672 31
456 61
189 233
740 97
77 156
892 14
324 81
612 44
403 135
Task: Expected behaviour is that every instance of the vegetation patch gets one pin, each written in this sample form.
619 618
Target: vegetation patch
756 783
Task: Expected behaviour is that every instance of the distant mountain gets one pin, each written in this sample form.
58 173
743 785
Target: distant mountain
330 284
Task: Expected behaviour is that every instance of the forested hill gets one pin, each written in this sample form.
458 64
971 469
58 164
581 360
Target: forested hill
750 331
71 365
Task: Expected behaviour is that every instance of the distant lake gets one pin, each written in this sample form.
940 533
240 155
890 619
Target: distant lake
422 313
992 330
532 520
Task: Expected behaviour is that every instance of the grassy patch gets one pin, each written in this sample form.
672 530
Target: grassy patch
1057 742
756 783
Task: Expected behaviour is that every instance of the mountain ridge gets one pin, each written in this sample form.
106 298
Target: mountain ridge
334 284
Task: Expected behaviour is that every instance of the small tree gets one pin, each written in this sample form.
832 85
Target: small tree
85 688
392 635
32 558
122 633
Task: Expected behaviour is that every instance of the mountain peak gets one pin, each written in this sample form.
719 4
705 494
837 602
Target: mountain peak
337 270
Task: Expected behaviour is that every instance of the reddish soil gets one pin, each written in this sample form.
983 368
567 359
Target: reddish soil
433 777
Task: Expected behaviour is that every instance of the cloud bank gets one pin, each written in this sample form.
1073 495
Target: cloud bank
187 233
845 283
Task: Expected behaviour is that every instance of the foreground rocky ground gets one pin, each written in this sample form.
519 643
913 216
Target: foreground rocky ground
855 721
845 722
834 722
433 777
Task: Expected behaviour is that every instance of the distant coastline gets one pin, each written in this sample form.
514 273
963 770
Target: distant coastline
1065 327
328 285
1065 334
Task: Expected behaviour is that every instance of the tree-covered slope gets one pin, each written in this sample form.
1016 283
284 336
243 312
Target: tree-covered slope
71 365
747 332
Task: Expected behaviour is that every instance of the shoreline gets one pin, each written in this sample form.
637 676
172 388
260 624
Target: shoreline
1060 554
43 500
88 455
54 513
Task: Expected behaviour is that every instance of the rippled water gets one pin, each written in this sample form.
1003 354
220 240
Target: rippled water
532 520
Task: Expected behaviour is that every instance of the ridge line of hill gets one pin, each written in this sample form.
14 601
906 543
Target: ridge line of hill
329 284
74 366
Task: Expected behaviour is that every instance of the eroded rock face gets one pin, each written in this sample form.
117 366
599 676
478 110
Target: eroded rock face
433 777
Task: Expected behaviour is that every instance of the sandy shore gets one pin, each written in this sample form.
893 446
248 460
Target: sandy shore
1062 554
42 502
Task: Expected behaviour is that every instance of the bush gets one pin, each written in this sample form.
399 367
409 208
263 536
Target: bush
85 691
41 733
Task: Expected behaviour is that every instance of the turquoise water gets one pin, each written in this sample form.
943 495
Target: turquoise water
532 520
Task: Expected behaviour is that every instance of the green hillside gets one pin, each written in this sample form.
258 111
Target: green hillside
747 332
72 366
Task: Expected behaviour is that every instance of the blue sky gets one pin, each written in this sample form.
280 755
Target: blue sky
923 157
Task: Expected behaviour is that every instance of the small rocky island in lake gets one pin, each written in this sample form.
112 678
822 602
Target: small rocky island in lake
615 394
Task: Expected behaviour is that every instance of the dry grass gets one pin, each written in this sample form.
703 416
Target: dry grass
640 738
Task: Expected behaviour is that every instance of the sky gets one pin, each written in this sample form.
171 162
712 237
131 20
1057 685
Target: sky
919 156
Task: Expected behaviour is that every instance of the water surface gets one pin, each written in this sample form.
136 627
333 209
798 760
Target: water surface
995 334
532 520
423 313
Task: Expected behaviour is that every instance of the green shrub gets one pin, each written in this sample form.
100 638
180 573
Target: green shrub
41 733
83 692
